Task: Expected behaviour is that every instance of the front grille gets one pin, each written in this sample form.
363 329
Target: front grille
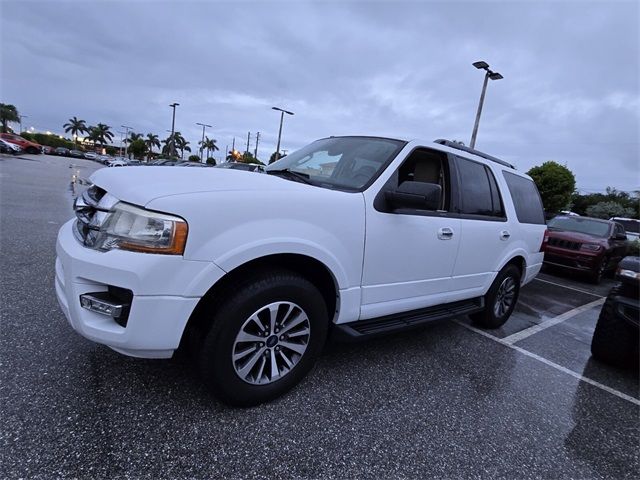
560 243
90 213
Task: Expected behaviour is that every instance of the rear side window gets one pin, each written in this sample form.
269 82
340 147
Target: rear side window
479 192
526 199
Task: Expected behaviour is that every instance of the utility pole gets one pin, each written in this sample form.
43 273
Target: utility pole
255 152
126 137
201 144
173 129
488 75
248 140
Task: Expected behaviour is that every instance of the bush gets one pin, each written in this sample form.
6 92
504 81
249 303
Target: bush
194 158
211 161
49 140
607 210
634 248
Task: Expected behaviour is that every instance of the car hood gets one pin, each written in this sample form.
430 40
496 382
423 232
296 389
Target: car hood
575 236
142 184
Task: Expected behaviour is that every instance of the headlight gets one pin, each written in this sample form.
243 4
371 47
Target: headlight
132 228
628 273
590 247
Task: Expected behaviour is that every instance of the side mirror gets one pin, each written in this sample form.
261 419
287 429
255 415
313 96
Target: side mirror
419 195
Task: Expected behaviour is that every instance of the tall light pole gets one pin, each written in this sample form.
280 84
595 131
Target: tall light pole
20 117
203 125
126 137
488 75
173 129
282 112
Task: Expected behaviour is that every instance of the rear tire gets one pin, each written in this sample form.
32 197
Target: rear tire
615 341
277 299
500 300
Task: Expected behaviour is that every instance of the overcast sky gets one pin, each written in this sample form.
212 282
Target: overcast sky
570 93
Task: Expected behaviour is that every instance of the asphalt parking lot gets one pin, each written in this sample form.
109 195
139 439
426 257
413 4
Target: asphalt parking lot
446 401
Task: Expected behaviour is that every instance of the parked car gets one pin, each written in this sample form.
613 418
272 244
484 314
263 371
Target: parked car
26 145
8 147
249 167
167 162
91 155
117 163
631 227
47 150
616 339
63 152
587 245
77 153
251 271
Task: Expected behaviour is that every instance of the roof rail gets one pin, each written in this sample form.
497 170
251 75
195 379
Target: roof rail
459 146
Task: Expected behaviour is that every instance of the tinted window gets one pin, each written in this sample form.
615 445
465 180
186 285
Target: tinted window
526 199
629 225
477 197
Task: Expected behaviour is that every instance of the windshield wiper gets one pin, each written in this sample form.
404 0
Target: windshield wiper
298 176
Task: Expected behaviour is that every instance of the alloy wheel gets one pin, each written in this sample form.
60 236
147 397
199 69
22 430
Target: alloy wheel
270 343
504 297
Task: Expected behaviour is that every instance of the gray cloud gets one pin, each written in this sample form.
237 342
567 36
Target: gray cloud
570 93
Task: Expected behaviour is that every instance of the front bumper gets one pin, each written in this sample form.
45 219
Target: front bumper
166 289
572 259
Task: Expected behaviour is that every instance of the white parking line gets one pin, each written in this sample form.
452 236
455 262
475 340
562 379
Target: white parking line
527 332
566 286
582 378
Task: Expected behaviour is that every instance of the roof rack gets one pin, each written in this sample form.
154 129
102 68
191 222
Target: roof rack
459 146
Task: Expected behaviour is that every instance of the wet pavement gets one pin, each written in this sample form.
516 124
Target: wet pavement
446 401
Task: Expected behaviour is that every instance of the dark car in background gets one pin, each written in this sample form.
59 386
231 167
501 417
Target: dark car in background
615 339
77 153
10 148
62 152
589 245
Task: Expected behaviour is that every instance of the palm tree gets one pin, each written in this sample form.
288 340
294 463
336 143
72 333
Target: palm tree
75 127
100 134
133 137
152 141
93 135
210 145
181 144
8 113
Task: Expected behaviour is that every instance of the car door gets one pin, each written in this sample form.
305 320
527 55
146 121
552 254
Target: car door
409 253
483 225
619 243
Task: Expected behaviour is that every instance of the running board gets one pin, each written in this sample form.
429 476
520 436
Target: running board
404 321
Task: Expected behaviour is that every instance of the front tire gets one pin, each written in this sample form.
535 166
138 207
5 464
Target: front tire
500 300
264 338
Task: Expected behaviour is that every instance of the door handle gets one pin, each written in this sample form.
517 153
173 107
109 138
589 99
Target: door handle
445 233
504 235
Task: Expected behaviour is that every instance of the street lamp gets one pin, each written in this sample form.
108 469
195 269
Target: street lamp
20 117
282 112
488 75
173 126
126 138
203 125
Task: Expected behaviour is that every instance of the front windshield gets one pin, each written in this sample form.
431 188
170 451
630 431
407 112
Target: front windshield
579 225
341 162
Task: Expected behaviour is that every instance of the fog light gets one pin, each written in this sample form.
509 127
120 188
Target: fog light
101 302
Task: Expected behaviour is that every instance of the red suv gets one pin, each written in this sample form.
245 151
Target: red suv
584 244
26 145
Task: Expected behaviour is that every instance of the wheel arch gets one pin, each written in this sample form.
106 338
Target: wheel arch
312 269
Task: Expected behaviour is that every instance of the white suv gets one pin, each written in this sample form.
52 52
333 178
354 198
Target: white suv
358 235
